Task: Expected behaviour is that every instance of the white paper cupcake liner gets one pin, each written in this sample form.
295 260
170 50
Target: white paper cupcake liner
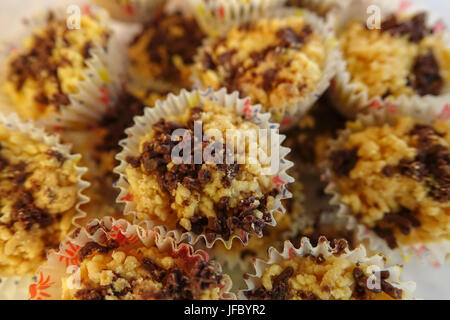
103 73
16 287
346 96
293 112
175 105
65 261
132 10
357 256
325 8
434 253
216 16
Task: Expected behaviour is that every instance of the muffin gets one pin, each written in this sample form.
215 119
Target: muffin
309 143
402 60
40 186
325 273
45 75
118 261
215 187
321 7
99 144
162 53
392 178
281 62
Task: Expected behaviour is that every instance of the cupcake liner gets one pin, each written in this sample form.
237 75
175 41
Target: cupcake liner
65 261
176 105
293 112
15 287
358 256
350 100
325 8
216 16
434 253
102 74
131 10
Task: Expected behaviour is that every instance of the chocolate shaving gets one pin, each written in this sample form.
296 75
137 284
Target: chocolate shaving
280 288
425 78
25 211
415 28
431 163
92 247
361 290
343 161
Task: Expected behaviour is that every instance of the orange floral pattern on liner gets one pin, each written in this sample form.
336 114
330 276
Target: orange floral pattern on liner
146 262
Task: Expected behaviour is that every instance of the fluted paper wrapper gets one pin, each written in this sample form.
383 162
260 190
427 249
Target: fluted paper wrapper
346 96
291 113
358 255
65 261
433 253
216 16
325 8
103 73
16 287
132 10
176 105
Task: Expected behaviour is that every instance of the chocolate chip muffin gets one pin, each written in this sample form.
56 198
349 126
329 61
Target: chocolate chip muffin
39 187
49 67
99 144
226 192
163 52
394 178
112 259
277 62
332 273
112 273
403 57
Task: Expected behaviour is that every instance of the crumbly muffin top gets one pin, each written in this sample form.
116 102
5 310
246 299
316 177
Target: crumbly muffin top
276 62
404 57
320 278
111 273
166 47
395 179
38 188
50 66
224 192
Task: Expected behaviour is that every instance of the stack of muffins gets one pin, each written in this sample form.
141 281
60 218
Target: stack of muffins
158 171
